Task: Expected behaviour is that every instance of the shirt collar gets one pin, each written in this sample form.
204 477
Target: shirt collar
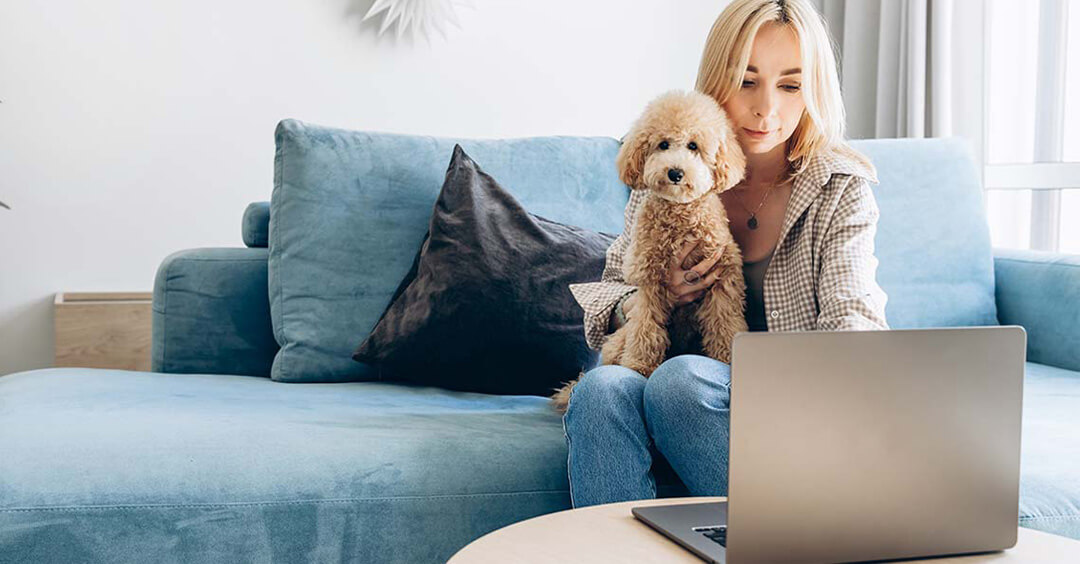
829 162
812 182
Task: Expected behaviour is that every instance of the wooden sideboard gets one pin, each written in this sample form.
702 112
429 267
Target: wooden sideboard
103 329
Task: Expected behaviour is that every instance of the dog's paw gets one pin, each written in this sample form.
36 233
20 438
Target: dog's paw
561 400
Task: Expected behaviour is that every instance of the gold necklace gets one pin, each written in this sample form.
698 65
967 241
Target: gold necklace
752 223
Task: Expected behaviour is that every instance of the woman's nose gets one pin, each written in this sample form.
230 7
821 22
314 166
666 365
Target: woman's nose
764 103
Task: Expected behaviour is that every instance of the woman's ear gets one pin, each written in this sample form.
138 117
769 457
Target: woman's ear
630 162
730 165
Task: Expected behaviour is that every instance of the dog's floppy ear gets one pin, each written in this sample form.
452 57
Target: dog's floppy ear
730 161
630 162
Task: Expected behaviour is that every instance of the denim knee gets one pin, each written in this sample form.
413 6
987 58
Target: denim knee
683 380
608 385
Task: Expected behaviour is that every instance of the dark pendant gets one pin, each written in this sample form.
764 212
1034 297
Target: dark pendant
752 223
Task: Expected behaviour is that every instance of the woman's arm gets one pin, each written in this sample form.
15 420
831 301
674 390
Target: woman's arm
598 299
618 313
848 293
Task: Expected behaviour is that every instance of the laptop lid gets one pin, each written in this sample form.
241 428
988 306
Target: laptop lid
860 445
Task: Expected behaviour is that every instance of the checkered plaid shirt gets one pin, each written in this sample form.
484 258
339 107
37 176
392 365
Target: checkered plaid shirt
822 274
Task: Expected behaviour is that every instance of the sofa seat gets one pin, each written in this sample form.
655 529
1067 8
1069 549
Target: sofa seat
1050 451
99 465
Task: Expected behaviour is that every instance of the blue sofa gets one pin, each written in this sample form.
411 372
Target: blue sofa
209 459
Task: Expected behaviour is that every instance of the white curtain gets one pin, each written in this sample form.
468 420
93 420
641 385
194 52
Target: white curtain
910 68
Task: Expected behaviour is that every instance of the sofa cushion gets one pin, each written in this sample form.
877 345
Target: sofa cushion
189 468
489 290
1050 451
198 467
933 240
100 465
349 209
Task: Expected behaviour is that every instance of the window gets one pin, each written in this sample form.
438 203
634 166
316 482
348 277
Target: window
1033 124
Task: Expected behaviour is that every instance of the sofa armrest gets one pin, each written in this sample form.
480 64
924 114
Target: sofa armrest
211 313
1041 291
255 228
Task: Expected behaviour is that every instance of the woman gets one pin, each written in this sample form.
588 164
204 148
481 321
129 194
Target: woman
805 220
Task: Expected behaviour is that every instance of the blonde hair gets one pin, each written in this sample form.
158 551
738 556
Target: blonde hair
727 54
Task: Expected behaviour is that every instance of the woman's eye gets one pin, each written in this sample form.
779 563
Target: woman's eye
664 145
692 146
746 83
790 88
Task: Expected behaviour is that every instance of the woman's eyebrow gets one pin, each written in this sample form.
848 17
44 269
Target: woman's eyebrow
796 70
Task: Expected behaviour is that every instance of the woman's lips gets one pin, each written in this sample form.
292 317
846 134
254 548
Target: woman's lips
756 134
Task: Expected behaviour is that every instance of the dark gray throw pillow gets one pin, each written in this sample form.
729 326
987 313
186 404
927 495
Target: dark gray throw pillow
485 306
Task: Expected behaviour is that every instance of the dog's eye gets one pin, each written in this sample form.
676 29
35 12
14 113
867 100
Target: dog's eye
664 145
692 146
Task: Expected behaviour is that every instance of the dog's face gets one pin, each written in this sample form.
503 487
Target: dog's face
682 147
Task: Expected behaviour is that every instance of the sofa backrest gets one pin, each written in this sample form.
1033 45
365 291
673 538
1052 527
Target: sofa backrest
350 209
933 241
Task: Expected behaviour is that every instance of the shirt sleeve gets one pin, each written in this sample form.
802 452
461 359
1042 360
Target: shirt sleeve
598 299
848 293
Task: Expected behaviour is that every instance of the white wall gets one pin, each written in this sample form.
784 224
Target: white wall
132 129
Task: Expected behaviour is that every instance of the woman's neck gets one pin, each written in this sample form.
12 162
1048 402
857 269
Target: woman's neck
765 169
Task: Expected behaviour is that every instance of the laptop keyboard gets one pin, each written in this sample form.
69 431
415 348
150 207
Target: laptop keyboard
717 533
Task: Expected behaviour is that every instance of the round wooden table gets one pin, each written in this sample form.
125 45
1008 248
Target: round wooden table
609 533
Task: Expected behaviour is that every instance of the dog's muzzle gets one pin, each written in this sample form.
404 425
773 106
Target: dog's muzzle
674 174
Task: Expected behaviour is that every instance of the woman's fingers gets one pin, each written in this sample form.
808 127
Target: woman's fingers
687 248
690 292
675 273
707 263
707 272
714 275
704 274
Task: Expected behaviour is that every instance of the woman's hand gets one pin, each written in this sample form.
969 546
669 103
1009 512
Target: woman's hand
682 292
704 276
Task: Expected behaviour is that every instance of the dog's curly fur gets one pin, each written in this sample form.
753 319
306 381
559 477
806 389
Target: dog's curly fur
673 214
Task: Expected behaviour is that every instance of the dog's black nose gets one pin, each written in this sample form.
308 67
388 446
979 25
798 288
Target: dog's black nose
675 174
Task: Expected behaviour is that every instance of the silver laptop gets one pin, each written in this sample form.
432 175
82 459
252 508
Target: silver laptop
865 445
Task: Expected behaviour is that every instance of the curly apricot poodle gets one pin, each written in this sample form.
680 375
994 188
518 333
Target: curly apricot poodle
684 152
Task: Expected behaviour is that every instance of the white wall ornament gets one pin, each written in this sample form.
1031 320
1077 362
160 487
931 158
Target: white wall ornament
418 16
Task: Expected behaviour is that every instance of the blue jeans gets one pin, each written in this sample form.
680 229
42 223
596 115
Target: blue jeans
618 421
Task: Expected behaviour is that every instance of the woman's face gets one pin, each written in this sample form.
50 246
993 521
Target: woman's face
768 106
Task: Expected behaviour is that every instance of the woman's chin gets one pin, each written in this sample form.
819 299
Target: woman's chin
758 146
